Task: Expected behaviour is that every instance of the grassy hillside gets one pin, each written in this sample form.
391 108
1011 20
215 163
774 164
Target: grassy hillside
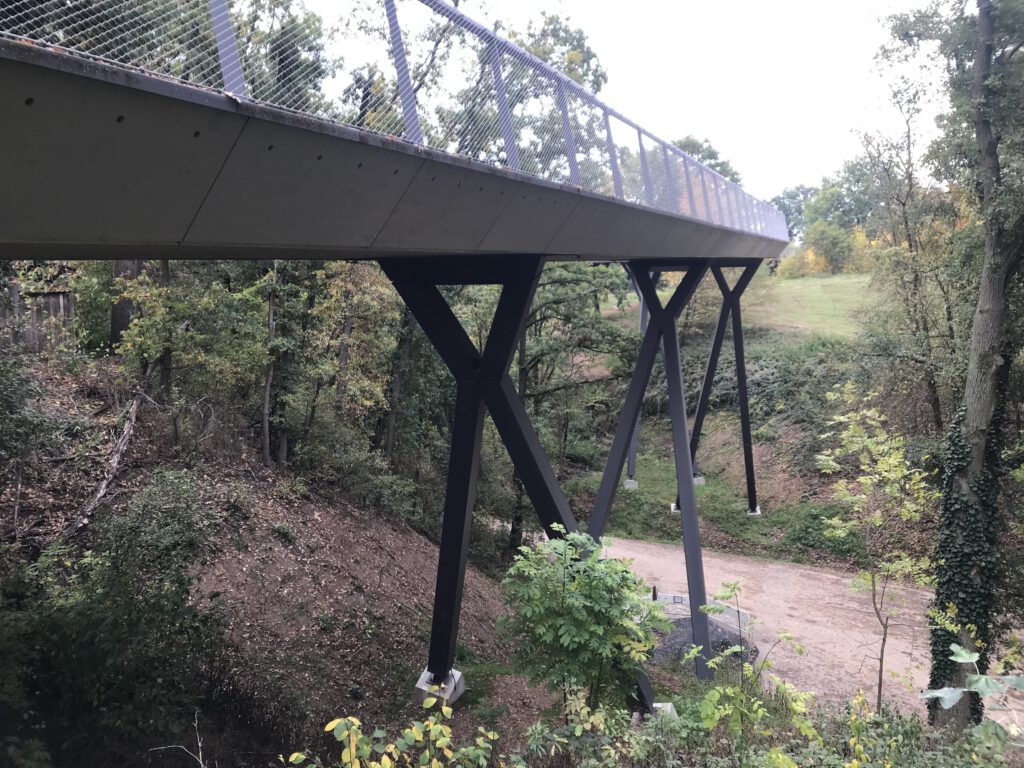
827 305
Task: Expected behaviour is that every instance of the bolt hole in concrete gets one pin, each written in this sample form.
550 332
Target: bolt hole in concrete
195 135
29 101
120 118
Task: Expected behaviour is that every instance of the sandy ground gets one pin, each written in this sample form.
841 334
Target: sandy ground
835 624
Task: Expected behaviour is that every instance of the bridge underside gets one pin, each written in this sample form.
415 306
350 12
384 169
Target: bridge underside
101 162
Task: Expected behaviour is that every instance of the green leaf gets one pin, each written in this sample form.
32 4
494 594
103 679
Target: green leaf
962 656
429 702
947 696
295 758
1015 681
983 685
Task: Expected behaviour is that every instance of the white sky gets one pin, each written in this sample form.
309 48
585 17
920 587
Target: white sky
780 88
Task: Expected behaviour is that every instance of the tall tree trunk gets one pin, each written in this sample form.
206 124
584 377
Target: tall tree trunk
268 382
344 353
397 379
515 533
968 551
165 361
121 311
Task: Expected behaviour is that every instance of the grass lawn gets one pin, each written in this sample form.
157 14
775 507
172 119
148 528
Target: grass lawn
828 305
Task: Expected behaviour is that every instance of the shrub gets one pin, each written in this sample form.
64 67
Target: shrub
579 621
118 645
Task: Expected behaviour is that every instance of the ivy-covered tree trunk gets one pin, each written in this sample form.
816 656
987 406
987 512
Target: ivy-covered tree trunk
968 550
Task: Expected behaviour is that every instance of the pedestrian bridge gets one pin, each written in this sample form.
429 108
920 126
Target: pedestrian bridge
149 126
190 129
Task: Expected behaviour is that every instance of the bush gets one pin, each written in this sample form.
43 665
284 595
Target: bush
579 621
111 639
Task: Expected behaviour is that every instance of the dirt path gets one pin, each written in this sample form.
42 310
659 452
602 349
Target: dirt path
836 625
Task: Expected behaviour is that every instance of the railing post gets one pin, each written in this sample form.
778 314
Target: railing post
613 158
729 186
645 170
570 140
717 187
227 48
508 132
673 189
704 192
690 198
410 115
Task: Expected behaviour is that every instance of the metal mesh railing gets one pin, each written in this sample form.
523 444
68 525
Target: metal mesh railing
418 70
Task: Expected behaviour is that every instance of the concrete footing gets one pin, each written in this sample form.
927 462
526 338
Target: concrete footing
450 690
755 512
630 485
666 708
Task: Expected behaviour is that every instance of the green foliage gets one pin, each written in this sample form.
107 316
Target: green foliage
428 742
969 529
737 699
112 639
285 532
993 738
22 428
830 241
881 488
579 621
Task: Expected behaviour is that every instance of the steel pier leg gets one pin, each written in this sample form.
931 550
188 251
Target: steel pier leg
687 494
741 383
709 377
460 493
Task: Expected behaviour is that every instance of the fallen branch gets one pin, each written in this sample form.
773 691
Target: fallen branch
131 415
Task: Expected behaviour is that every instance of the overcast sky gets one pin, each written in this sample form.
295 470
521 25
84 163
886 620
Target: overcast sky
780 88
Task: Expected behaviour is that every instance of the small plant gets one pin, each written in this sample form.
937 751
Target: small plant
887 489
994 738
285 533
326 622
739 702
423 743
238 501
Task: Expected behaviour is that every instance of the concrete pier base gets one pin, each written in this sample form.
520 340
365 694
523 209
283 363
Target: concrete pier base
450 690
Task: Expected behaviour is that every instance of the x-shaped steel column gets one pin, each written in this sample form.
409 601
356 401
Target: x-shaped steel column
661 330
730 306
481 380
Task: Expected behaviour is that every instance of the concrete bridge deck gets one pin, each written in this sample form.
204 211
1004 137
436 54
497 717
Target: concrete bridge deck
100 161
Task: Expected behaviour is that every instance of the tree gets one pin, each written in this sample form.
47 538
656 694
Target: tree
579 621
886 489
984 134
702 150
791 201
830 241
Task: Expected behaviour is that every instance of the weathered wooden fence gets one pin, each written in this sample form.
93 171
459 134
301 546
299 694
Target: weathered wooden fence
34 322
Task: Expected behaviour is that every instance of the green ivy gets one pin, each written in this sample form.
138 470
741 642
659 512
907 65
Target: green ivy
970 564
